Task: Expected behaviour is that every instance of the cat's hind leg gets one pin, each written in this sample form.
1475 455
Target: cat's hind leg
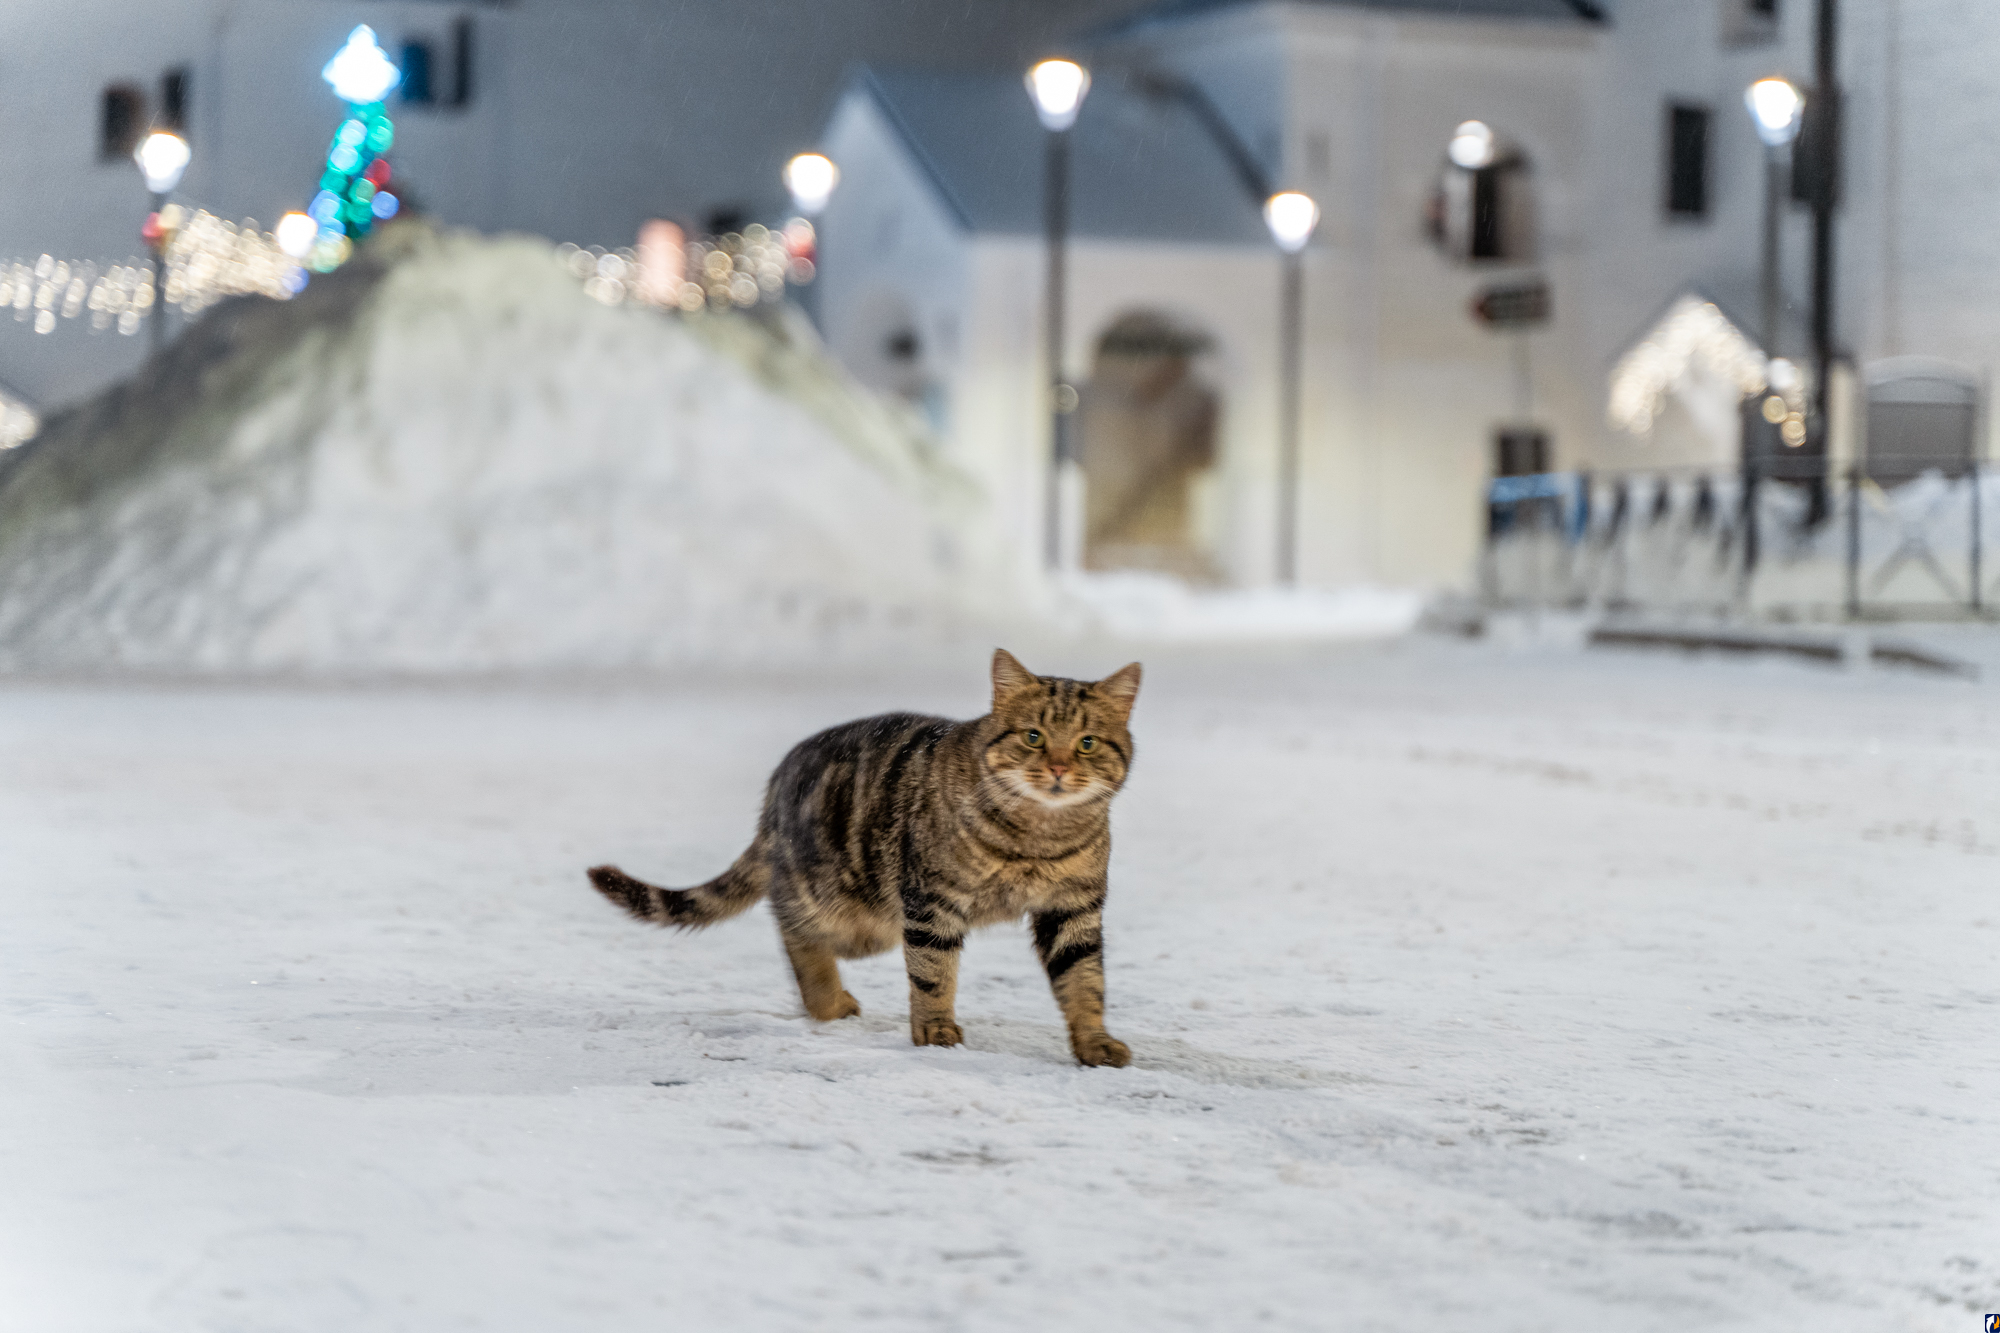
818 973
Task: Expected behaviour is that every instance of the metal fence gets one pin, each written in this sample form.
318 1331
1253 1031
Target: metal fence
1790 539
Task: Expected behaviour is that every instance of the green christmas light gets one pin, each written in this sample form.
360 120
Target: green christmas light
351 188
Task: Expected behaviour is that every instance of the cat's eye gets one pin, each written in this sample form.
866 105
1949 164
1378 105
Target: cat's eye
1086 745
1033 738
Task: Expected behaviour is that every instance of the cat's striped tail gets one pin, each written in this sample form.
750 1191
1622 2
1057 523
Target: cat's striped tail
733 891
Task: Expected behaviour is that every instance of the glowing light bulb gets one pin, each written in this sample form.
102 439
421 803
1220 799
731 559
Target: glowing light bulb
359 73
162 157
811 179
1472 145
1291 216
296 233
1058 88
1777 107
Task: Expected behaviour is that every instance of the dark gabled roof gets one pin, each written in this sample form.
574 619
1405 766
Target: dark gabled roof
1143 164
1553 11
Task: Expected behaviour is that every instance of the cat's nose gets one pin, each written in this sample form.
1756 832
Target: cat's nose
1056 771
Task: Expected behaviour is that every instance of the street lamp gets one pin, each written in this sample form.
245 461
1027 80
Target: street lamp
296 232
811 178
1058 88
1291 216
1776 106
162 158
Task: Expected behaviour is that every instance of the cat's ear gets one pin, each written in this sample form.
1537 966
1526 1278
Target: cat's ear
1121 687
1008 675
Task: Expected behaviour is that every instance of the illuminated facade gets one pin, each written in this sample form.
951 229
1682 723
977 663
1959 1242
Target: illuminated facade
1611 161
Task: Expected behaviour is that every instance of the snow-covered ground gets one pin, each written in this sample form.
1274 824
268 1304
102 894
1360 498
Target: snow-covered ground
1468 988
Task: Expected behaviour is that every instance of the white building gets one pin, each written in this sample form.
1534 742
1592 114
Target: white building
1355 102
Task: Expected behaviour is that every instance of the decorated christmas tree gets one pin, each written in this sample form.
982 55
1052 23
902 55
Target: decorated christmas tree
354 188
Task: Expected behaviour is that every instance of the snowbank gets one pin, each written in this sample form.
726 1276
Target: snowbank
1152 608
447 458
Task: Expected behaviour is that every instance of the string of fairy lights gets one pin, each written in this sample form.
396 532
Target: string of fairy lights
208 258
1695 336
667 271
205 258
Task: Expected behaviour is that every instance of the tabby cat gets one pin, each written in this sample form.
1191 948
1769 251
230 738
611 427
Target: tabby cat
917 829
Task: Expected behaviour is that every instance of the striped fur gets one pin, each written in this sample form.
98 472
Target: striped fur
912 831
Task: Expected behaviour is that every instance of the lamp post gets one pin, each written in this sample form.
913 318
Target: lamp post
162 158
810 178
1776 106
1058 88
1291 217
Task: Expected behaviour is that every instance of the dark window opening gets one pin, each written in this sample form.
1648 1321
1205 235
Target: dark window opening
1687 161
1488 238
1520 452
416 85
1482 209
121 119
174 100
1749 22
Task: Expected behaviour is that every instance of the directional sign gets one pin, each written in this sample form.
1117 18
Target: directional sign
1512 306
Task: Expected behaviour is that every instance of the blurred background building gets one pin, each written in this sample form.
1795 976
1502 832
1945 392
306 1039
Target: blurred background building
1582 171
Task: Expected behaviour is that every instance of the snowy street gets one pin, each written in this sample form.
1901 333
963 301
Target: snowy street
1466 988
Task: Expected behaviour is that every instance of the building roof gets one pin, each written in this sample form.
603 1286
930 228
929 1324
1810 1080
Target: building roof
1554 11
1144 164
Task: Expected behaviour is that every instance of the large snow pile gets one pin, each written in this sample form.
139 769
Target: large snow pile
446 457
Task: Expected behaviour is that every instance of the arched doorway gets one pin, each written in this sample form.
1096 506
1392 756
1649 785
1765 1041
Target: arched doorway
1148 450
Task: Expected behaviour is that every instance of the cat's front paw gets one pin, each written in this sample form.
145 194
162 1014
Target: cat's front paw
936 1034
1100 1048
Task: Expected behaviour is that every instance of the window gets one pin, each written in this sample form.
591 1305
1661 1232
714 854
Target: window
1749 21
174 100
439 73
416 85
121 119
1482 207
1520 451
1687 161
